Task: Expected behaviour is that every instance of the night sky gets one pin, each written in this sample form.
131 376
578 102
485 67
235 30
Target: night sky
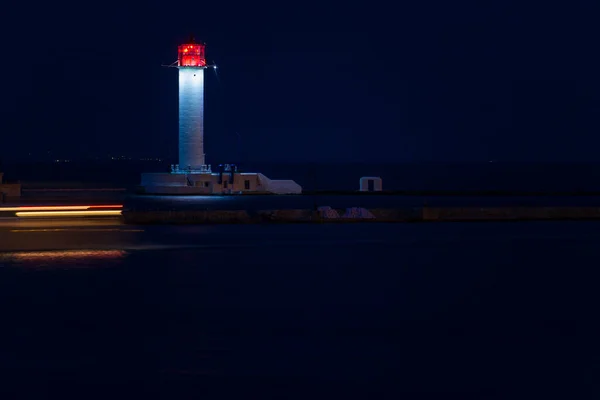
299 81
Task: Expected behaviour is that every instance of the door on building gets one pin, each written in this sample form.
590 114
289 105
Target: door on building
371 185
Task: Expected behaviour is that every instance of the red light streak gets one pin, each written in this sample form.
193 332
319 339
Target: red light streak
65 210
67 213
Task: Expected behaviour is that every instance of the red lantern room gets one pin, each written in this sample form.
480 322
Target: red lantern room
191 55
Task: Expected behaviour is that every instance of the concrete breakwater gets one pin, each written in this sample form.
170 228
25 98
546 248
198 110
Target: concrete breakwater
418 214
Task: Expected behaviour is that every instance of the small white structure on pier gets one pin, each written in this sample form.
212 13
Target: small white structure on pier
370 184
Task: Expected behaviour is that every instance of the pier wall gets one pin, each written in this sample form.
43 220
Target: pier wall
422 214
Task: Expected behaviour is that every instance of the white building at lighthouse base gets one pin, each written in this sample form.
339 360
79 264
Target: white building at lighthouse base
205 182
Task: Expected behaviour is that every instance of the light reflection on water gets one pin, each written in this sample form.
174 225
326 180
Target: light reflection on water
61 259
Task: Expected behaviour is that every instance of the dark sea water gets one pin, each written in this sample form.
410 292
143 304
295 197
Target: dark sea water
452 311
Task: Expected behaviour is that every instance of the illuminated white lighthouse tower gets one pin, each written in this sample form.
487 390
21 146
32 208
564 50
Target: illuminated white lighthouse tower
191 63
192 175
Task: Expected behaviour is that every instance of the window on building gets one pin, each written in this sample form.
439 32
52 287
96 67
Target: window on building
247 184
225 184
205 184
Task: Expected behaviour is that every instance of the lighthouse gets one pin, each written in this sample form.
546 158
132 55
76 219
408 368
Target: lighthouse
192 175
191 64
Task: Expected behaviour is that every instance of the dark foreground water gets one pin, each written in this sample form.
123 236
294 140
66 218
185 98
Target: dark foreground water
494 310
